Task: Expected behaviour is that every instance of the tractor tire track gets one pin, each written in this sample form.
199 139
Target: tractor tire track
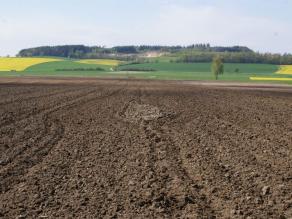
53 130
39 111
21 99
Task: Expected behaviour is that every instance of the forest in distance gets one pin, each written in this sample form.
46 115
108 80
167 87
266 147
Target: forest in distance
185 54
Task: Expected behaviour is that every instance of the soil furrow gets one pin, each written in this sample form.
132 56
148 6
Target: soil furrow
89 148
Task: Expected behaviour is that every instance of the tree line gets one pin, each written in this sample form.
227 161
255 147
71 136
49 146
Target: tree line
237 57
190 53
81 51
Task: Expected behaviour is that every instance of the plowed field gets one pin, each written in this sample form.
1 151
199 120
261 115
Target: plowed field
144 149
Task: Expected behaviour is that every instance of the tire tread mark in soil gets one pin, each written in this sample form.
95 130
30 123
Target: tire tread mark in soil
155 136
174 159
37 97
43 151
40 137
40 111
160 130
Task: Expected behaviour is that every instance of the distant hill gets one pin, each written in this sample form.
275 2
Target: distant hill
192 53
81 51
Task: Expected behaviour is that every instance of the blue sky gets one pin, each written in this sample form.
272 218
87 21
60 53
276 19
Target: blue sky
263 25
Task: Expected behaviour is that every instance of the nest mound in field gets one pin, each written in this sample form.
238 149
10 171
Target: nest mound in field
142 112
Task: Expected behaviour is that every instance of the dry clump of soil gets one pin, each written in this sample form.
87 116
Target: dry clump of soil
140 149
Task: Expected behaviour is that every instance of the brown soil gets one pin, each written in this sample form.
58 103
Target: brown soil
141 149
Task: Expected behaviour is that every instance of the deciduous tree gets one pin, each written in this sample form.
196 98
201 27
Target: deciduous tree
217 66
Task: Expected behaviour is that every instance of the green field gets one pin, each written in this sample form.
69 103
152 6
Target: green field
160 68
205 67
54 66
61 68
201 71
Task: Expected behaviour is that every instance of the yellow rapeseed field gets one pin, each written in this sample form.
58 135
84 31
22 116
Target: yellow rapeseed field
109 62
269 79
20 64
285 69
